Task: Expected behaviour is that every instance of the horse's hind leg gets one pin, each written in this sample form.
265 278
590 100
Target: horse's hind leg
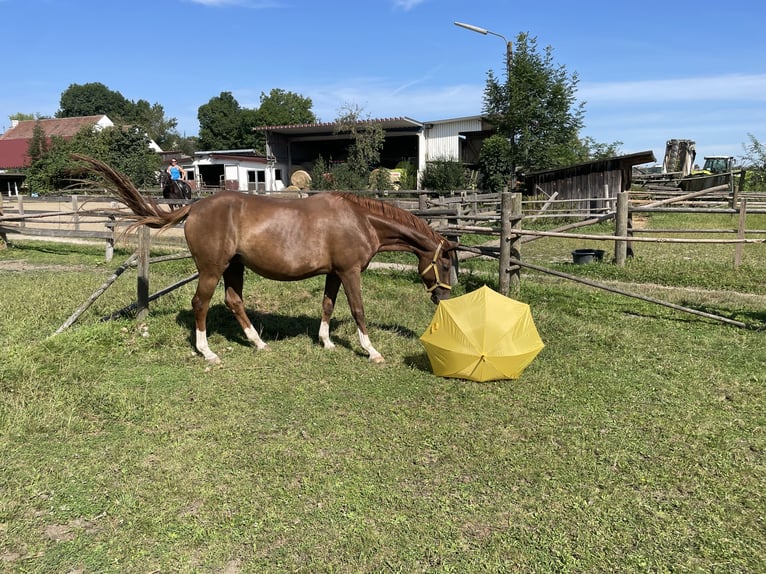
331 287
233 281
200 305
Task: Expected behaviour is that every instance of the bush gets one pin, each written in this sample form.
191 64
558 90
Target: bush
443 175
495 163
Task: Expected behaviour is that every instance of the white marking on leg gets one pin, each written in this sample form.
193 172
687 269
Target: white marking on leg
203 348
324 335
254 338
364 340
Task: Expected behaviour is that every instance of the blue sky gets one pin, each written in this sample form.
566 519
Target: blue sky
648 71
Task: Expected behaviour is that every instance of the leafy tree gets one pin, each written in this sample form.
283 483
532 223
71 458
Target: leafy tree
280 108
755 159
221 123
535 107
38 145
151 117
224 124
283 108
126 149
495 163
367 139
96 99
22 117
90 100
597 150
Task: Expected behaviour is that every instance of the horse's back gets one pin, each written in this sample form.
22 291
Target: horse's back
281 238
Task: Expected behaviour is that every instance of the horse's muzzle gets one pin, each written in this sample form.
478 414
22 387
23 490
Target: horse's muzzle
439 294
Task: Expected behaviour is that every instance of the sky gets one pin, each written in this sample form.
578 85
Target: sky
647 72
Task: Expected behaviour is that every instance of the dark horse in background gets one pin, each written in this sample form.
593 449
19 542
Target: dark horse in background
174 188
332 234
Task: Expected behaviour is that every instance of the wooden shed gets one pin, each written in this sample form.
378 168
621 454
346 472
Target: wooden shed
599 179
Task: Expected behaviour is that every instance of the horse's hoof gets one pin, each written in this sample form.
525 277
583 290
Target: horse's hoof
264 349
379 360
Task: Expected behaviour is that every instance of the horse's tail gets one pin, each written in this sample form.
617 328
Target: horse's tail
146 209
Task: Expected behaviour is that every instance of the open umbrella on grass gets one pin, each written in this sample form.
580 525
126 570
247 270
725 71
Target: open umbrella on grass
481 336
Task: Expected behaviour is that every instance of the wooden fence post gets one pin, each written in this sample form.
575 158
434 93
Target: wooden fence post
510 212
20 209
75 214
621 229
110 225
739 248
142 287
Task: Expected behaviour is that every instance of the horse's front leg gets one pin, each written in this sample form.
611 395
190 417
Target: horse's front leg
352 285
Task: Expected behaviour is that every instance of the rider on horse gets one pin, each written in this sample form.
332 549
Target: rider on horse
175 171
173 183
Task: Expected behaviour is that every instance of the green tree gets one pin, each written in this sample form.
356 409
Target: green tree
280 108
222 124
495 163
126 149
22 117
90 100
535 107
96 99
367 139
755 162
38 145
151 117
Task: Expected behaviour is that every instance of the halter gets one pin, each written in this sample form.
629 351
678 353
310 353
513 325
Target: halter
435 267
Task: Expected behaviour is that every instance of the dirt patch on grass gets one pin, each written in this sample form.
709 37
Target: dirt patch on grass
21 266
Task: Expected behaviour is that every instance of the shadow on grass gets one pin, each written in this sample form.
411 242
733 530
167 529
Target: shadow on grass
275 327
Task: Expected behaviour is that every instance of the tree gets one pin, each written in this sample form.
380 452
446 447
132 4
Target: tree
283 108
96 99
495 163
221 123
367 139
755 158
535 107
125 149
280 108
91 100
38 145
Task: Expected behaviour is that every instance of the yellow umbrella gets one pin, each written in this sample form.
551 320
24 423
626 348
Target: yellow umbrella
481 336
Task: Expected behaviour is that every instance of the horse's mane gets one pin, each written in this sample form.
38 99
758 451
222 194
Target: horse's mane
389 211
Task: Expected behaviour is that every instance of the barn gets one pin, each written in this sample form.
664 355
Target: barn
603 178
293 147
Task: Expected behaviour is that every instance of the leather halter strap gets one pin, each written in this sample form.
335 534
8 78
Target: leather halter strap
435 267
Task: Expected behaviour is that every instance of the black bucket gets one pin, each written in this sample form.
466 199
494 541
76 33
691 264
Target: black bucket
583 256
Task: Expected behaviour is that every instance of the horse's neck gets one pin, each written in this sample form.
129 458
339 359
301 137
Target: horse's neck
395 236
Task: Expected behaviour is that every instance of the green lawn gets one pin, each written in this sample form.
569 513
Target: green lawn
633 443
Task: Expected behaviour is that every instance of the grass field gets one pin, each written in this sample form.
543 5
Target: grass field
633 443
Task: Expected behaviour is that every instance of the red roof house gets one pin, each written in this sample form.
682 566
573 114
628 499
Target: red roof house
14 143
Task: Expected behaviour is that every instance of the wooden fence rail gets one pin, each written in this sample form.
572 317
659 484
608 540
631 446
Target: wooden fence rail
495 215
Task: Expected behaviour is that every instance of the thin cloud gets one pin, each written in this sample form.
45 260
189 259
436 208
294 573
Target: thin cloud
407 5
730 87
258 4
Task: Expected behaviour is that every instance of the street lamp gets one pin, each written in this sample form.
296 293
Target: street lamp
484 31
508 243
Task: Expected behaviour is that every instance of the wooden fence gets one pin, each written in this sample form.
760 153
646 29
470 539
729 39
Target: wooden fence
499 216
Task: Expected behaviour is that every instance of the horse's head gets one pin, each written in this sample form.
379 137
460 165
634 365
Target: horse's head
435 268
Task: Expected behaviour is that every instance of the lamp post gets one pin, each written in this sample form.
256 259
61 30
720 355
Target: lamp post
484 31
510 202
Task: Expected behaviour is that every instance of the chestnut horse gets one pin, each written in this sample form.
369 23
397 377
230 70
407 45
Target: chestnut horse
332 234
